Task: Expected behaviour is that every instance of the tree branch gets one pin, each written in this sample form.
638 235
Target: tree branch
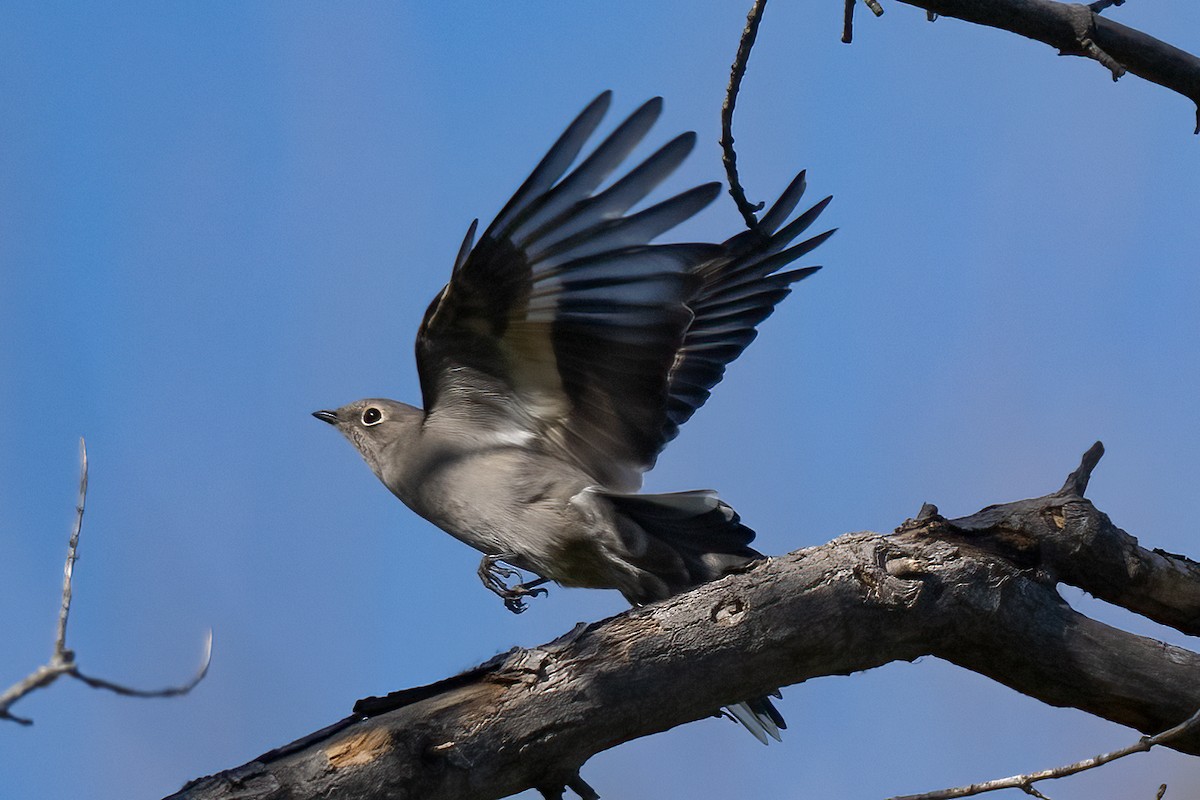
1025 782
1072 542
1077 29
62 661
977 591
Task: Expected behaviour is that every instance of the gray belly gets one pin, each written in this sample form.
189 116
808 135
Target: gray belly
507 500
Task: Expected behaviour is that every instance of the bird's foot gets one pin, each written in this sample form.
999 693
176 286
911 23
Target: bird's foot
494 576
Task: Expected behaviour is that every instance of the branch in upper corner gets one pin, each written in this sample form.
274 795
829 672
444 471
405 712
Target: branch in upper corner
1025 782
1059 25
62 661
747 209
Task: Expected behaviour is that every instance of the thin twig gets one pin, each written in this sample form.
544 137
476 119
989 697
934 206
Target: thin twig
62 661
1100 5
60 639
170 691
1025 782
729 156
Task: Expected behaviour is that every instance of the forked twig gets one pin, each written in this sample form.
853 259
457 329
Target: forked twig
62 661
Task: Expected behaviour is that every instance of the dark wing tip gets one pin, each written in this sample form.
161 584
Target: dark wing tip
801 274
468 242
604 98
709 190
787 201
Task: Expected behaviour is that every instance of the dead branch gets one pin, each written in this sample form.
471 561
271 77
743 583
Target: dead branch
1079 30
1025 782
977 591
62 661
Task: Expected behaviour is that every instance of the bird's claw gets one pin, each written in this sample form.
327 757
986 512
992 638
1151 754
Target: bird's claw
514 600
493 574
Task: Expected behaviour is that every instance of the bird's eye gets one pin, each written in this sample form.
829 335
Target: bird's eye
372 416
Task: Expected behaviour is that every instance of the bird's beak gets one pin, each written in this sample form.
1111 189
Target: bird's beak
327 416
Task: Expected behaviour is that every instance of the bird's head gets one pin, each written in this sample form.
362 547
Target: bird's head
376 427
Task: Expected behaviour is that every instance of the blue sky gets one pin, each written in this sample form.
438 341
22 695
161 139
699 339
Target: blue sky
216 218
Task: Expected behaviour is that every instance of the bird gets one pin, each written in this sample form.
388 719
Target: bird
564 353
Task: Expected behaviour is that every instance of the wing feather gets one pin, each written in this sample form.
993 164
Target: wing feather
739 290
567 322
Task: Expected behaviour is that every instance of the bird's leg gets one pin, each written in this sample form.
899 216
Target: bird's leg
493 574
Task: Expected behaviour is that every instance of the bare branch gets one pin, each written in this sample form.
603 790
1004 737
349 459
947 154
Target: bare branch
747 209
1077 29
1025 782
1069 540
62 660
42 676
532 718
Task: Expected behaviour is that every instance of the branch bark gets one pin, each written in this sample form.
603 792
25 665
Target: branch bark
976 591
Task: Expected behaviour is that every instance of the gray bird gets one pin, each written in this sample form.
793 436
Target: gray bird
560 359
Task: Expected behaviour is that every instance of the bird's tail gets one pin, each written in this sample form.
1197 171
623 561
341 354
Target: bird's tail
704 533
706 540
760 717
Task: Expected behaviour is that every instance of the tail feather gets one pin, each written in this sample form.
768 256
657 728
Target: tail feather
709 539
695 524
760 717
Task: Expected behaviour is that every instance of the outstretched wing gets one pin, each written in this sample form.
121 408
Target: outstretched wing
561 326
738 291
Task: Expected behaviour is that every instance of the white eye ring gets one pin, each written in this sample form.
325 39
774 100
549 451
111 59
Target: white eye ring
371 416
